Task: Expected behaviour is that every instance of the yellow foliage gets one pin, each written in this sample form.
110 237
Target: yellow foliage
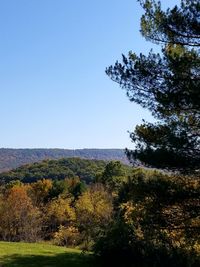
67 236
61 211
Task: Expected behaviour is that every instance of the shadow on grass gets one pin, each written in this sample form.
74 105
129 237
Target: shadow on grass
58 260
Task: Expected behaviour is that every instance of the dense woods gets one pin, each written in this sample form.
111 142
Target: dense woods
126 216
86 170
66 210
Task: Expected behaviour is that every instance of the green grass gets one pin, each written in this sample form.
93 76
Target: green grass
42 255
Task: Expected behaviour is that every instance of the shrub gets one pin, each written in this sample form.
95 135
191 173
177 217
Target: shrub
67 236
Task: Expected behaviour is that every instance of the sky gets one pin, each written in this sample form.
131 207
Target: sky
53 87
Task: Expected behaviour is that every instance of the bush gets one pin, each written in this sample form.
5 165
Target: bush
67 236
121 247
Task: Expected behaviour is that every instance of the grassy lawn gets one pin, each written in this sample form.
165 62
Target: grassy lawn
41 255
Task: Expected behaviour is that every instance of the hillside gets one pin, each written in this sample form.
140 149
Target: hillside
13 158
60 169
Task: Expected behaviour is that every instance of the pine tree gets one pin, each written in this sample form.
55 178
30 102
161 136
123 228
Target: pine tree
168 85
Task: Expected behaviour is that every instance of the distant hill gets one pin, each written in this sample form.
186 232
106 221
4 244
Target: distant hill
13 158
60 169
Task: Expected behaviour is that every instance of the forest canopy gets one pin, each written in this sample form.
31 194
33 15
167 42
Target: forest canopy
86 170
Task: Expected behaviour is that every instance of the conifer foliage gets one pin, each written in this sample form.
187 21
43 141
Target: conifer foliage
167 84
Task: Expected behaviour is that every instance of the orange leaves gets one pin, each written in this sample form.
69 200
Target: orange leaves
19 218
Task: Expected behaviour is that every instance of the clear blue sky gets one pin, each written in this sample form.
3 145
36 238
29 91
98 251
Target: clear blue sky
54 90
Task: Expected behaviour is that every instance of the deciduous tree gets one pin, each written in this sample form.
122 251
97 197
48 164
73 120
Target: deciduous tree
94 212
20 220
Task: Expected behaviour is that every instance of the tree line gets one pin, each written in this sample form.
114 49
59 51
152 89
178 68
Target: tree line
68 211
60 169
126 218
